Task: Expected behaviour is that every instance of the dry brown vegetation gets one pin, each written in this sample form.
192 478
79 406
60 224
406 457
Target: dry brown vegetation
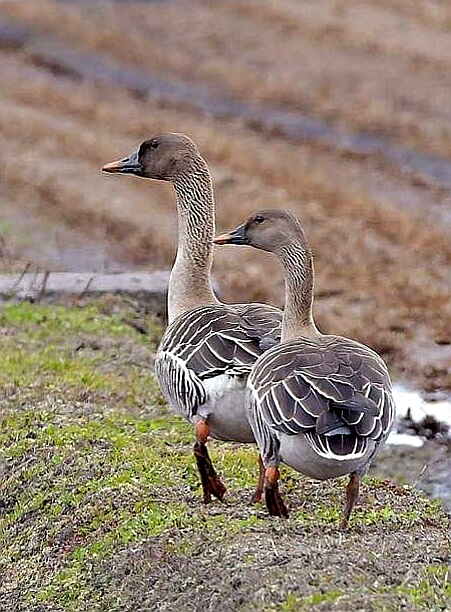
383 254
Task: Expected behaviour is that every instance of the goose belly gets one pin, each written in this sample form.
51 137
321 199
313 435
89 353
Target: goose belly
297 452
224 409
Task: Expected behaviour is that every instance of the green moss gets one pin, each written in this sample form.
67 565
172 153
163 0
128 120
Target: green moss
293 602
52 348
44 321
432 591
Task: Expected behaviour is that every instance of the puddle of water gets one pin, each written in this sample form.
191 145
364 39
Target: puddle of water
409 400
401 439
410 403
432 461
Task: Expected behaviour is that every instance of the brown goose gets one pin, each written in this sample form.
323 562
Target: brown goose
322 404
207 351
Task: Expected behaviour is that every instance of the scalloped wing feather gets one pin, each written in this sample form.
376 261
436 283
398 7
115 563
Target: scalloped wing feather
210 341
321 385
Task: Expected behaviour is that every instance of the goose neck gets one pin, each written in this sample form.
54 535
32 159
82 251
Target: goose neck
298 318
190 283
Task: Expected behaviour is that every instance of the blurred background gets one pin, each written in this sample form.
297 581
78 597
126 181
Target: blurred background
336 110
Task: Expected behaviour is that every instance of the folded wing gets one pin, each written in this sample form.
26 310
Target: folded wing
335 390
210 341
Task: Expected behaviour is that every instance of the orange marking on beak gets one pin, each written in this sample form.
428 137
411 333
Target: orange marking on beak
113 166
222 239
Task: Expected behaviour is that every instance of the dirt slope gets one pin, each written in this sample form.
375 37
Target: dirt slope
100 502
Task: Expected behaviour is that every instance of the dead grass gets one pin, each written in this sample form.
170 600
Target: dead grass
334 59
382 257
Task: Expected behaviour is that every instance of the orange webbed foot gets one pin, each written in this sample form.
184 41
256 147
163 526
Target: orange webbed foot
274 502
211 483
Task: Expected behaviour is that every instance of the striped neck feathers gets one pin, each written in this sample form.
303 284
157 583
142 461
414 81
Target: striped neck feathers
190 283
296 258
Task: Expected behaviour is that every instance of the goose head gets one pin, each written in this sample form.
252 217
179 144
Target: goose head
267 230
165 157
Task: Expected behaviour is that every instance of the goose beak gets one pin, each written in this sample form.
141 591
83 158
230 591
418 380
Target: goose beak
236 236
128 165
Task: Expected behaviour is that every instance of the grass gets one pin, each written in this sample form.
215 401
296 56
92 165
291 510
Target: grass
100 500
431 592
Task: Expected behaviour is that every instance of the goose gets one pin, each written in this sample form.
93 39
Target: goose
322 404
208 348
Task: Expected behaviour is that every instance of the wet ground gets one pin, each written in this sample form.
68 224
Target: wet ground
419 449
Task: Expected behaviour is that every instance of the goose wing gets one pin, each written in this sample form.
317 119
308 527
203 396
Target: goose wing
210 341
333 389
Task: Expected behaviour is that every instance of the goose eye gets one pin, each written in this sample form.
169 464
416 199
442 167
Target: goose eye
259 219
154 144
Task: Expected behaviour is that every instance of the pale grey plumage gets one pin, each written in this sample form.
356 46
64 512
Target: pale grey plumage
208 342
331 389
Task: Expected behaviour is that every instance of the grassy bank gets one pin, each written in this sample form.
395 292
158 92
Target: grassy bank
100 503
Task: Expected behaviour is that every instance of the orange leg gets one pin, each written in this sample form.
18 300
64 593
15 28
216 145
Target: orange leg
211 484
257 496
274 502
352 495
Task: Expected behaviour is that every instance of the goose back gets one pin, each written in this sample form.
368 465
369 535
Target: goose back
335 391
